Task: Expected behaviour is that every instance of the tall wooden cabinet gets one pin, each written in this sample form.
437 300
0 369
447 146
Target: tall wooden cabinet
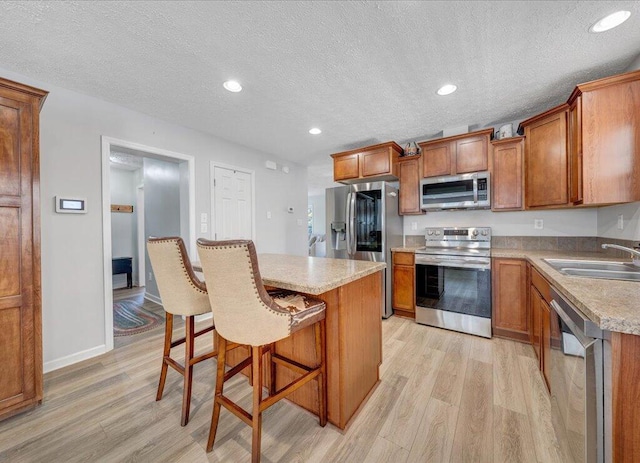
20 302
546 158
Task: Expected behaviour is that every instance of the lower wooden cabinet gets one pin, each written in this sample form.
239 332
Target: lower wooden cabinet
403 285
510 309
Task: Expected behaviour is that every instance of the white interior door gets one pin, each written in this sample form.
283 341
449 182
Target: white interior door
233 203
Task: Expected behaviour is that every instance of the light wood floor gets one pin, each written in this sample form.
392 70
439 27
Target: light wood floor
444 397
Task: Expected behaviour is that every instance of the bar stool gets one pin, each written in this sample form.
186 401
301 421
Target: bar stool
246 313
185 295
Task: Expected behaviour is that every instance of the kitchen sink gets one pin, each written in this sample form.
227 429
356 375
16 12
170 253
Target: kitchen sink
609 270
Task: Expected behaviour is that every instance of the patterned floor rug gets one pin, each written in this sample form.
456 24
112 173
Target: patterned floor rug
129 317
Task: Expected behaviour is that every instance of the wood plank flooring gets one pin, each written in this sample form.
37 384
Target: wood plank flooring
443 397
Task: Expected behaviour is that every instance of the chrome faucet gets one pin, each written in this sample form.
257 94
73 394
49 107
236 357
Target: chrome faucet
635 253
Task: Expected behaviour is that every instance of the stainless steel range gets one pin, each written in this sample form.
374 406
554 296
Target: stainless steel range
453 280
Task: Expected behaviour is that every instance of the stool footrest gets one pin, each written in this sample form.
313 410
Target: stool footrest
236 410
291 364
175 365
237 369
288 389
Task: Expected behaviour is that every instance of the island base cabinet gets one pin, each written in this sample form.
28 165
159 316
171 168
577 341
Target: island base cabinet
354 350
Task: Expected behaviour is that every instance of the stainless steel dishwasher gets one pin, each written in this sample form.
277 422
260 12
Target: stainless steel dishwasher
580 388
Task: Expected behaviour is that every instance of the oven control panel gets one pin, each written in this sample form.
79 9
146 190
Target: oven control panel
458 234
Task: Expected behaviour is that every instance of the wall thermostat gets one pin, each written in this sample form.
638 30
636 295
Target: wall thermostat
71 205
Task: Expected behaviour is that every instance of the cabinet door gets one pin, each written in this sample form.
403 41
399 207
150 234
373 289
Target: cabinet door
535 304
510 315
409 175
472 154
346 167
403 288
546 165
575 151
436 159
506 176
376 162
20 342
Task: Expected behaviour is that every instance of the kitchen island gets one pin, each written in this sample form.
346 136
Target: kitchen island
353 292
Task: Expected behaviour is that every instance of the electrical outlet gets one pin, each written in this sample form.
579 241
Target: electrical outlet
203 217
414 225
268 214
300 222
621 222
538 224
204 228
150 276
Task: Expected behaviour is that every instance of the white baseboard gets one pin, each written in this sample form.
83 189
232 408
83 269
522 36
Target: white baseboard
74 358
152 298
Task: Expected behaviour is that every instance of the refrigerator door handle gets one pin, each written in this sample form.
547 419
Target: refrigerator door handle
352 224
348 217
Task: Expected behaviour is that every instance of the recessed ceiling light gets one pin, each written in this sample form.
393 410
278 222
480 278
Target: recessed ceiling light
315 131
611 21
447 89
232 86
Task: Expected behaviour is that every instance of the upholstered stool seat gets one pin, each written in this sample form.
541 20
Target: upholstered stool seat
246 313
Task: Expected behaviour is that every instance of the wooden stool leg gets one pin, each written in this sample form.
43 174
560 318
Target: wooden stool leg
272 368
222 353
319 329
168 330
256 366
250 369
188 370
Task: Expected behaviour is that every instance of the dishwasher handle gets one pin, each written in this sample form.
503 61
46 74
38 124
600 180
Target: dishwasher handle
574 318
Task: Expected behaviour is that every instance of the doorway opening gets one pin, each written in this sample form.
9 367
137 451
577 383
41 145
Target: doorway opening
146 191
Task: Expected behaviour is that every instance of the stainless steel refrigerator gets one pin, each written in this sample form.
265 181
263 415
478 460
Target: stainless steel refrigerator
363 224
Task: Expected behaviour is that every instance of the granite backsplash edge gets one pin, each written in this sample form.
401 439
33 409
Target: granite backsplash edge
548 243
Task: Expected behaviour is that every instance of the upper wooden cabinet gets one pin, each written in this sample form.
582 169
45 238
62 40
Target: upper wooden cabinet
20 303
409 170
546 170
604 140
459 154
373 162
507 170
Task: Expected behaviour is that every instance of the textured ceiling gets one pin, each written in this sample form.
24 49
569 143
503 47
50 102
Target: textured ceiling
364 72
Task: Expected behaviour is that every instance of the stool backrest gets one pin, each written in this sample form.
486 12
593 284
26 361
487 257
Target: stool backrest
182 293
243 310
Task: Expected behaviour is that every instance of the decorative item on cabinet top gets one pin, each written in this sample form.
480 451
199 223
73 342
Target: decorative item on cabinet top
411 149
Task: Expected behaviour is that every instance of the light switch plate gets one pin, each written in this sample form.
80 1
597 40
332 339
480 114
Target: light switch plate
204 228
203 217
621 222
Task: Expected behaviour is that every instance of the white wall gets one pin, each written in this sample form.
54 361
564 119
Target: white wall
162 199
562 222
123 224
319 213
72 258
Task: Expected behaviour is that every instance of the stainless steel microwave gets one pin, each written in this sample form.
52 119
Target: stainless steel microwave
465 191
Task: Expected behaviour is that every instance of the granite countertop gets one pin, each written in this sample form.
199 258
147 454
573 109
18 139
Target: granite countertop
311 275
611 304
